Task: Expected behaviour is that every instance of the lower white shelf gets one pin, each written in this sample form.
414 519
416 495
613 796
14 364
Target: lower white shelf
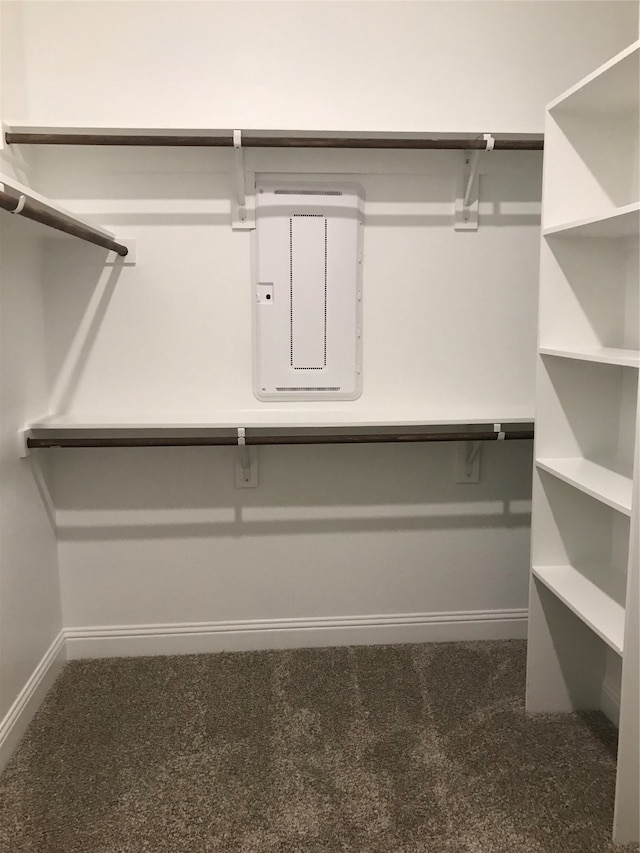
600 355
282 416
617 223
602 482
595 594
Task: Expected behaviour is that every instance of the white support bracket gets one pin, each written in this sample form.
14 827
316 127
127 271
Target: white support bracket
498 428
468 461
246 463
468 192
23 448
242 209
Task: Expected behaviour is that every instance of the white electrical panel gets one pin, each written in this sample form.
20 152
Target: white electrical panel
308 292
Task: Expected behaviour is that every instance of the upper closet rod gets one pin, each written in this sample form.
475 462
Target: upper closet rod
249 141
34 443
31 208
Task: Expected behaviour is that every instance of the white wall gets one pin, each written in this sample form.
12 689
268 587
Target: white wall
153 537
30 615
30 606
448 317
423 66
163 537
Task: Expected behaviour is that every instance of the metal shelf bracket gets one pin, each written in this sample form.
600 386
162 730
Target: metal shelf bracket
468 193
246 463
242 214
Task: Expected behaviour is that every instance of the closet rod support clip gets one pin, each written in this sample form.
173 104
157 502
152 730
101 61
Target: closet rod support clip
20 205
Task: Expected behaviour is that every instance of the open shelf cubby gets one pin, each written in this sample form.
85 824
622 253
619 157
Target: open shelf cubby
589 294
581 553
592 131
587 412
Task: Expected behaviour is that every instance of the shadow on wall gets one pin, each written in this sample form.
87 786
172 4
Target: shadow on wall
498 516
75 312
595 152
177 493
188 186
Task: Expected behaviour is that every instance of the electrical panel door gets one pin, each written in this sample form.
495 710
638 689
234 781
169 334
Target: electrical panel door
308 293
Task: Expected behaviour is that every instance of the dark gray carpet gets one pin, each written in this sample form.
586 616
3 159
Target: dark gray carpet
395 749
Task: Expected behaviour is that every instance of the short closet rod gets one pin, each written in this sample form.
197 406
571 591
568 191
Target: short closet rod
249 141
317 438
23 205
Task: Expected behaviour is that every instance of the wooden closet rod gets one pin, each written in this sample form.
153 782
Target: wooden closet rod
31 208
248 141
317 438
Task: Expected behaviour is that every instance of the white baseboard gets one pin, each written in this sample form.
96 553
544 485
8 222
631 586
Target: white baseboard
610 701
206 637
20 714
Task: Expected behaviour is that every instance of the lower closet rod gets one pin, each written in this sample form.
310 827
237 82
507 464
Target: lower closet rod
229 440
30 208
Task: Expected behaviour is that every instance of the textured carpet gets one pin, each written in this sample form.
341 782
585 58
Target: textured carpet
395 749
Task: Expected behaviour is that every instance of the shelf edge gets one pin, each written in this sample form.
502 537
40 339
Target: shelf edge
542 574
547 465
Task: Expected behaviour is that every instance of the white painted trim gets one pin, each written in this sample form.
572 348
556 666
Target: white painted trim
20 714
205 637
610 702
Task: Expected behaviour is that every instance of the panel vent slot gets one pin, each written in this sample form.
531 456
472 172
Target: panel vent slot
307 192
309 388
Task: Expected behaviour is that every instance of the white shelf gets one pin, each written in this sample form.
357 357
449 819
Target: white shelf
622 222
272 418
612 88
19 125
595 594
599 481
601 355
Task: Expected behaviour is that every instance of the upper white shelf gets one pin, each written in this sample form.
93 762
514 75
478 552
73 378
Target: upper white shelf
600 355
622 222
612 88
523 140
595 594
601 482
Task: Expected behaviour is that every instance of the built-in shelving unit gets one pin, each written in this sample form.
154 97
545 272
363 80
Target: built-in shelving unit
585 490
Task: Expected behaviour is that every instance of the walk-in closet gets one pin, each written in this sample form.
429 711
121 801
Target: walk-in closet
319 407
